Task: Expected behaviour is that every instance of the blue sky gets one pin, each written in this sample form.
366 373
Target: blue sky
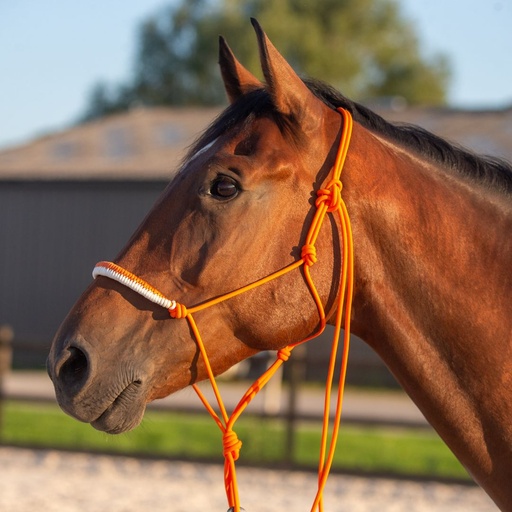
53 51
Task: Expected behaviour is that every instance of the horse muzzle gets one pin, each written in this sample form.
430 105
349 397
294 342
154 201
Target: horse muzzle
113 403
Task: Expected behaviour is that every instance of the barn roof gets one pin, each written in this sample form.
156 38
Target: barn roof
144 143
148 143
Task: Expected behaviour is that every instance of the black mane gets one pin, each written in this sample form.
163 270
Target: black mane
493 173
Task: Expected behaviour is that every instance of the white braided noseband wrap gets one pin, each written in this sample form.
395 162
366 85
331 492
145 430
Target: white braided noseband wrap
153 296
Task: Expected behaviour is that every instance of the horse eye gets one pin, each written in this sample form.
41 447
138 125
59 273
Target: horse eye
224 188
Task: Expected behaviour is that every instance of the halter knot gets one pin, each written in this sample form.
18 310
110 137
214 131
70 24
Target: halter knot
284 354
331 195
231 444
179 311
308 254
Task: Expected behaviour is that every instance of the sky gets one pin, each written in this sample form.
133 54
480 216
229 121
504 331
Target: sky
52 52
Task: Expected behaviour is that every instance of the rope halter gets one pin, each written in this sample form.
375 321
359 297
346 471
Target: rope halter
328 200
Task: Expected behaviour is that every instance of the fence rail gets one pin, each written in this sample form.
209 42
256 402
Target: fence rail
287 397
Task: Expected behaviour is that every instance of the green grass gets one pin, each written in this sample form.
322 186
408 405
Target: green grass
179 435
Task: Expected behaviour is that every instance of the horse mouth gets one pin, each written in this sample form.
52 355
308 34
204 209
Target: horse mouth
124 413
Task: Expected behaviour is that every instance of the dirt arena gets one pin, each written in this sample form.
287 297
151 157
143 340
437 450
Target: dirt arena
53 481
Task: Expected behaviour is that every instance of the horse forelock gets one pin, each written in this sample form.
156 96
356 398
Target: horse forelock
234 119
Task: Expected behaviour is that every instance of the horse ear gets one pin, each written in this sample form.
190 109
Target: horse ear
290 95
237 80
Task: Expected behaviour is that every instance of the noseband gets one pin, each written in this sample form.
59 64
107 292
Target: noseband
328 200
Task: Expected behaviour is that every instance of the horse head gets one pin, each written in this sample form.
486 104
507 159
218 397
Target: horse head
236 211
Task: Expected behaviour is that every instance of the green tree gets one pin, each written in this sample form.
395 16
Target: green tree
365 48
104 100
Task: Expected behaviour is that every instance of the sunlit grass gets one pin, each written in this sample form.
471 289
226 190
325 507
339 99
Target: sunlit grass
180 435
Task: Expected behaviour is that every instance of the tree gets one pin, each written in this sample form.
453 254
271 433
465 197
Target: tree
364 48
104 100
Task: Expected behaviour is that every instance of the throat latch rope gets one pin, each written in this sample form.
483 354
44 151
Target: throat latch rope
329 200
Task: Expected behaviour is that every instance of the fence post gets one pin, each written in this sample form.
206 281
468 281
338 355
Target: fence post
6 337
296 376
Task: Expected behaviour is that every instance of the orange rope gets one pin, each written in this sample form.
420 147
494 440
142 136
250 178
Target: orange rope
329 200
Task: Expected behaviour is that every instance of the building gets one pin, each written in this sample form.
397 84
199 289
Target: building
73 198
70 199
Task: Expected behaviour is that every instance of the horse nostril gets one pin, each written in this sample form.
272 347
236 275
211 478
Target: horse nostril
75 369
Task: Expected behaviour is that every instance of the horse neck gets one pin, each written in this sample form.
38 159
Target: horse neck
433 285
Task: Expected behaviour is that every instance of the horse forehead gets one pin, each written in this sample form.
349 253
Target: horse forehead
260 139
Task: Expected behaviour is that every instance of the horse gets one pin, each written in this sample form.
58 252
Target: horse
432 226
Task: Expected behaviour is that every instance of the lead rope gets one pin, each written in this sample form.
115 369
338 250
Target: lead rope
328 200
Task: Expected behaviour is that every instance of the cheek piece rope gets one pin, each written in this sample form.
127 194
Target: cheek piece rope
328 200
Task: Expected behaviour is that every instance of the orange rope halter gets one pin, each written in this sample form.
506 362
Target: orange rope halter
328 200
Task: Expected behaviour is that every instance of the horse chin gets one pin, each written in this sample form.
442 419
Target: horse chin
124 413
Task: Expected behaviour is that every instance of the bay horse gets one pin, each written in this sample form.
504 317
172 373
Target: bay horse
432 231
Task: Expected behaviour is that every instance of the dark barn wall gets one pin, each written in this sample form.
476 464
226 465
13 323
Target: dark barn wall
51 235
53 232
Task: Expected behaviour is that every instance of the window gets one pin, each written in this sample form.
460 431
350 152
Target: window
169 134
119 142
65 150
